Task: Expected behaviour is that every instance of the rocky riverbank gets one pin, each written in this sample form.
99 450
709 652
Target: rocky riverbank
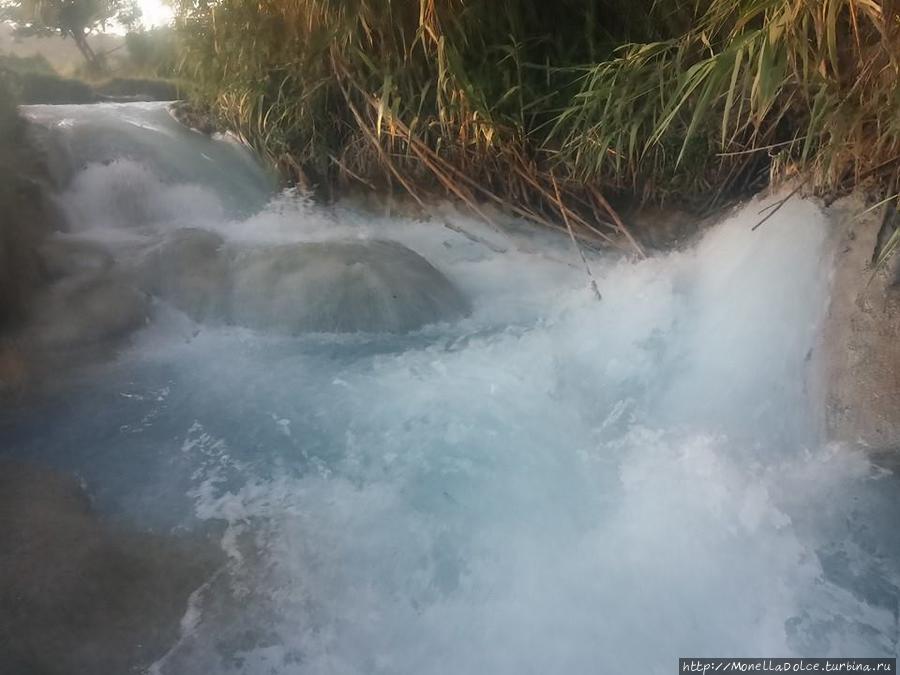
79 595
860 359
28 216
56 296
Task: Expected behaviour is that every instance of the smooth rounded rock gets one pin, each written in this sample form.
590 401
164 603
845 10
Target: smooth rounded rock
341 286
86 311
62 257
190 269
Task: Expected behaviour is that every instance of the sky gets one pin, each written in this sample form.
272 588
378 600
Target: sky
155 12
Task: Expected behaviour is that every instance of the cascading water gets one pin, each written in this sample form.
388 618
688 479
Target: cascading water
527 481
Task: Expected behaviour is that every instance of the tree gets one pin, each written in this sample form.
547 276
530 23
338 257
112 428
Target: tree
70 18
152 52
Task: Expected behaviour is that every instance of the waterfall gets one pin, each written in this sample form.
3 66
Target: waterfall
469 465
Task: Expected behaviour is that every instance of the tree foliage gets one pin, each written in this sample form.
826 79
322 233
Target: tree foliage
152 52
75 19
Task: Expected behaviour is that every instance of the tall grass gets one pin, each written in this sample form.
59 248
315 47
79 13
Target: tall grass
552 110
809 86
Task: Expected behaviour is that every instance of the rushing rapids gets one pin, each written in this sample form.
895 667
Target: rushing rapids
420 455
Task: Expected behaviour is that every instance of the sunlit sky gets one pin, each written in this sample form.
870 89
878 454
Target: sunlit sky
155 12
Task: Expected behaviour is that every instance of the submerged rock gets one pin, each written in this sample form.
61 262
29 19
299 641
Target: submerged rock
190 269
341 286
79 596
62 257
82 311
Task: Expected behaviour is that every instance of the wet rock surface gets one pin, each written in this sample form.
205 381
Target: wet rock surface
861 340
61 256
78 595
93 296
82 311
341 286
190 269
337 286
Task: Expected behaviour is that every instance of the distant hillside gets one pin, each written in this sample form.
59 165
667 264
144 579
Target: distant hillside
62 54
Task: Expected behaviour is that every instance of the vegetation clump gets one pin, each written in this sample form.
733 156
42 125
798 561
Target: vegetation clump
547 108
33 80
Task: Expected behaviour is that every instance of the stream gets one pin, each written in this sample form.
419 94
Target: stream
425 449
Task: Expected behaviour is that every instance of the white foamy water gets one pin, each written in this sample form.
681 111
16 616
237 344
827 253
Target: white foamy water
549 485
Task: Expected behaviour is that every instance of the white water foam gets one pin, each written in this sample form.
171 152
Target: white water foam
555 484
126 194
